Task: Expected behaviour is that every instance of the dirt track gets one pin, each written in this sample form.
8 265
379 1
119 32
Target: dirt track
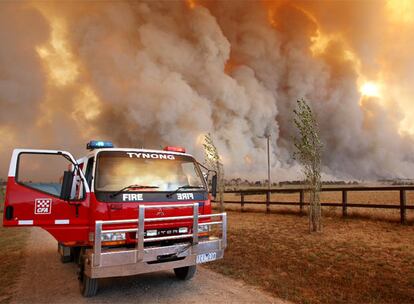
45 280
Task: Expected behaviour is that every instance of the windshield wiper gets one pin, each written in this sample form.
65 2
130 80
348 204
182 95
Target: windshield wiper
183 187
132 186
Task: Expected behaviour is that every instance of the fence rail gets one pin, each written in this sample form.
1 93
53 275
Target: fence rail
402 190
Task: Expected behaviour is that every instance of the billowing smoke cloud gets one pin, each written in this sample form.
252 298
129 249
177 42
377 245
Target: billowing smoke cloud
149 74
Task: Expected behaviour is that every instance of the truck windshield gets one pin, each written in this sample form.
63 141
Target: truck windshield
165 172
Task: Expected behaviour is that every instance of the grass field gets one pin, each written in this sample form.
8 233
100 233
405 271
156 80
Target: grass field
351 261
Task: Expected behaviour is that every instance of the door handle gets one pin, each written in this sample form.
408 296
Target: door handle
9 212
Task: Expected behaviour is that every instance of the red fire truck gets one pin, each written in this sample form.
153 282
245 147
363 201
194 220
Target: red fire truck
116 211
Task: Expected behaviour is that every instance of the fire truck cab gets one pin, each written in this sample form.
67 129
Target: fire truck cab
118 211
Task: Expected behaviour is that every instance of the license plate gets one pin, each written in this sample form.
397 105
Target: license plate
166 232
206 257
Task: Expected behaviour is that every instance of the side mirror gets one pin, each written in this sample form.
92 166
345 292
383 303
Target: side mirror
214 185
67 183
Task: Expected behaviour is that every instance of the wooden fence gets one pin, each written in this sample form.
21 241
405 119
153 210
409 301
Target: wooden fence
402 190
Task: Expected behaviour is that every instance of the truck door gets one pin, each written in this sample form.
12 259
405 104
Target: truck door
34 191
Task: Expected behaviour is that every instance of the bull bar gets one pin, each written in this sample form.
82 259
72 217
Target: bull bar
110 262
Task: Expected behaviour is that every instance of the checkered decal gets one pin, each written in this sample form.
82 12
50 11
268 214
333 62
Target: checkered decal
43 206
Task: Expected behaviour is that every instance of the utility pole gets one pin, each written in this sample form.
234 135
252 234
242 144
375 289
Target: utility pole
268 160
267 135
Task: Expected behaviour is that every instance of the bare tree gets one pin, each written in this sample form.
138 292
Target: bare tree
213 161
308 153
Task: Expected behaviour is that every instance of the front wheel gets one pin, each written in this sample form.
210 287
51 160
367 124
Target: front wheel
185 273
88 286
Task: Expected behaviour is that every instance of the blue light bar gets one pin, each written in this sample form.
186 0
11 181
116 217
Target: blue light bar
98 144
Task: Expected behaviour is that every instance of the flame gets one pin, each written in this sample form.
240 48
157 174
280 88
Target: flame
401 11
63 71
56 54
370 89
271 17
319 43
191 4
87 107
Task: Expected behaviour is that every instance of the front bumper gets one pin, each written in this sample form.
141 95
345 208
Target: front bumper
116 262
103 262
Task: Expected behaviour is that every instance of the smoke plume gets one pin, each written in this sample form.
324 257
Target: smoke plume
150 74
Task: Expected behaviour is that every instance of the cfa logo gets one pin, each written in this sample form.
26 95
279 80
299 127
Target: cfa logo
43 206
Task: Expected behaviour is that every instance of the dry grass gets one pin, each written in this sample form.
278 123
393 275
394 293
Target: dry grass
351 261
12 243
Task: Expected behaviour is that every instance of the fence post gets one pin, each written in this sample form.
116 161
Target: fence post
267 201
242 201
403 210
344 203
301 201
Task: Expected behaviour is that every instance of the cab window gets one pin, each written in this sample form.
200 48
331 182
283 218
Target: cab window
44 172
88 172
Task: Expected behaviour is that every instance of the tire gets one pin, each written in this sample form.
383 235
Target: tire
185 273
88 286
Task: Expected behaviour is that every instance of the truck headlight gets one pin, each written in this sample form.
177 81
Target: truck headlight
151 233
110 237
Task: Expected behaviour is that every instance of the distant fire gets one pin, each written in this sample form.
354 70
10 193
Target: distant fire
57 55
166 73
191 4
370 89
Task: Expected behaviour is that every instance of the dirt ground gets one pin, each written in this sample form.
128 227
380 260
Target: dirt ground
12 244
352 261
44 279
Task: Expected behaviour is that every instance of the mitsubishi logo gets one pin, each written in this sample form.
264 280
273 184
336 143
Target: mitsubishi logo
160 212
